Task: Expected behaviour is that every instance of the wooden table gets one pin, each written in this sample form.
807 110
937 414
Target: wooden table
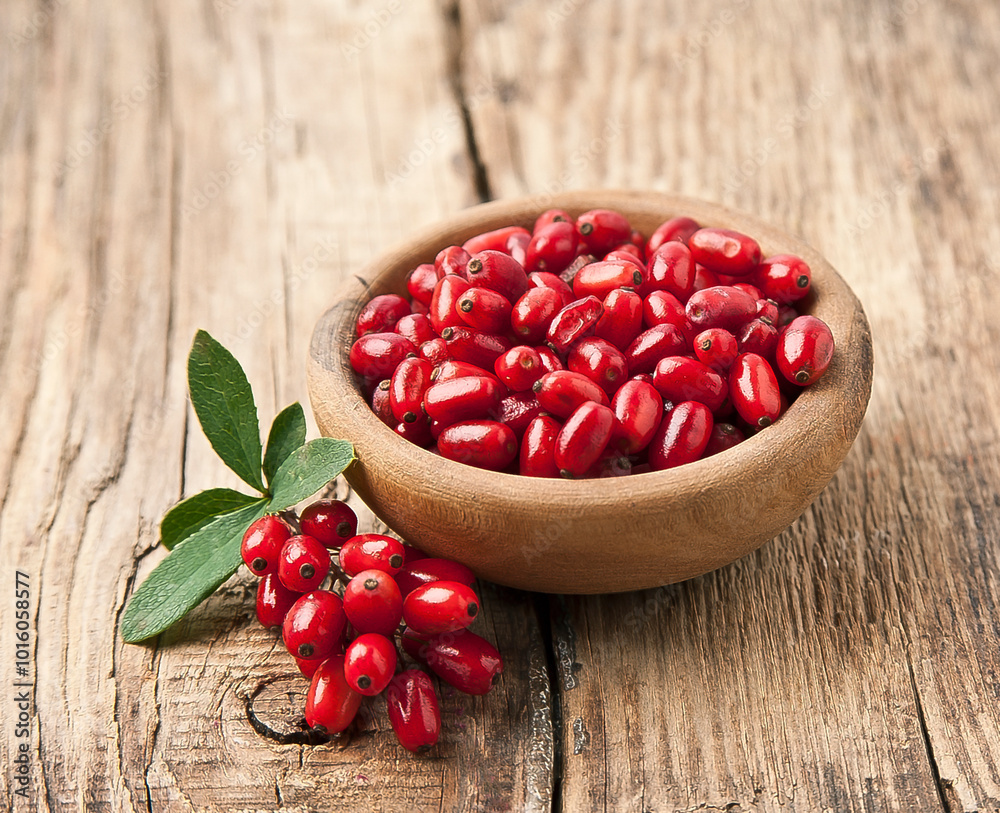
170 166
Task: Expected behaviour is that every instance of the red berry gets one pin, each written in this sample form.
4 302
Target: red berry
483 444
679 378
462 399
663 308
600 361
725 251
550 361
804 350
550 216
373 603
274 600
262 544
583 439
473 346
601 278
601 230
371 552
517 246
308 666
722 306
421 283
453 368
330 521
677 229
485 310
552 248
716 348
703 278
621 320
435 351
462 659
407 387
380 403
519 368
369 663
314 625
573 322
376 355
753 389
561 392
451 260
496 240
418 432
425 571
444 304
682 436
784 278
767 311
417 328
517 410
538 448
724 436
671 269
331 703
413 710
757 336
652 345
534 312
441 606
303 563
499 272
639 409
381 314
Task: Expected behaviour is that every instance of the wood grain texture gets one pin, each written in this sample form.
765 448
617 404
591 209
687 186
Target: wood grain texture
226 164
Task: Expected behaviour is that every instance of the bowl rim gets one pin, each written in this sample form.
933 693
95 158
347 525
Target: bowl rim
817 412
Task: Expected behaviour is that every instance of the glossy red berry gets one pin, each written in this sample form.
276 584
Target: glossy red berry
441 606
534 312
499 272
485 310
804 350
444 304
538 448
369 663
474 346
462 659
784 278
716 348
543 279
601 230
561 392
381 313
601 278
652 345
418 432
331 703
303 563
703 278
677 229
417 328
274 600
380 403
583 439
462 399
550 216
496 240
621 320
308 666
262 544
681 437
484 444
552 248
639 409
519 368
550 359
373 603
722 306
671 269
453 368
724 436
725 251
767 311
753 389
757 336
680 378
517 410
413 710
663 308
451 260
576 321
600 361
421 283
425 571
371 552
407 386
376 355
314 625
332 522
435 351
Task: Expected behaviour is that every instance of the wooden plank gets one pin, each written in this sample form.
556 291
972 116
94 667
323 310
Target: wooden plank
846 666
219 165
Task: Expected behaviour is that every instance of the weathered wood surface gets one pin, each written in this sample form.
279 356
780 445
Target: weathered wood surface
169 166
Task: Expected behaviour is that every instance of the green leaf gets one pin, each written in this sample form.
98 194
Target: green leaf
223 402
191 573
307 470
195 512
288 433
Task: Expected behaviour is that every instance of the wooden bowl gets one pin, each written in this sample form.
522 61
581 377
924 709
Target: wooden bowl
607 535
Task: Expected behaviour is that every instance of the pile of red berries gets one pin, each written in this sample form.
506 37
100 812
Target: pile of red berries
583 349
351 643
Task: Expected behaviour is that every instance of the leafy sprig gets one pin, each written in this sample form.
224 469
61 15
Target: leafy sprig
204 532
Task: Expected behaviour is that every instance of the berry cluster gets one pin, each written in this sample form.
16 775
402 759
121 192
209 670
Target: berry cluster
584 349
351 643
